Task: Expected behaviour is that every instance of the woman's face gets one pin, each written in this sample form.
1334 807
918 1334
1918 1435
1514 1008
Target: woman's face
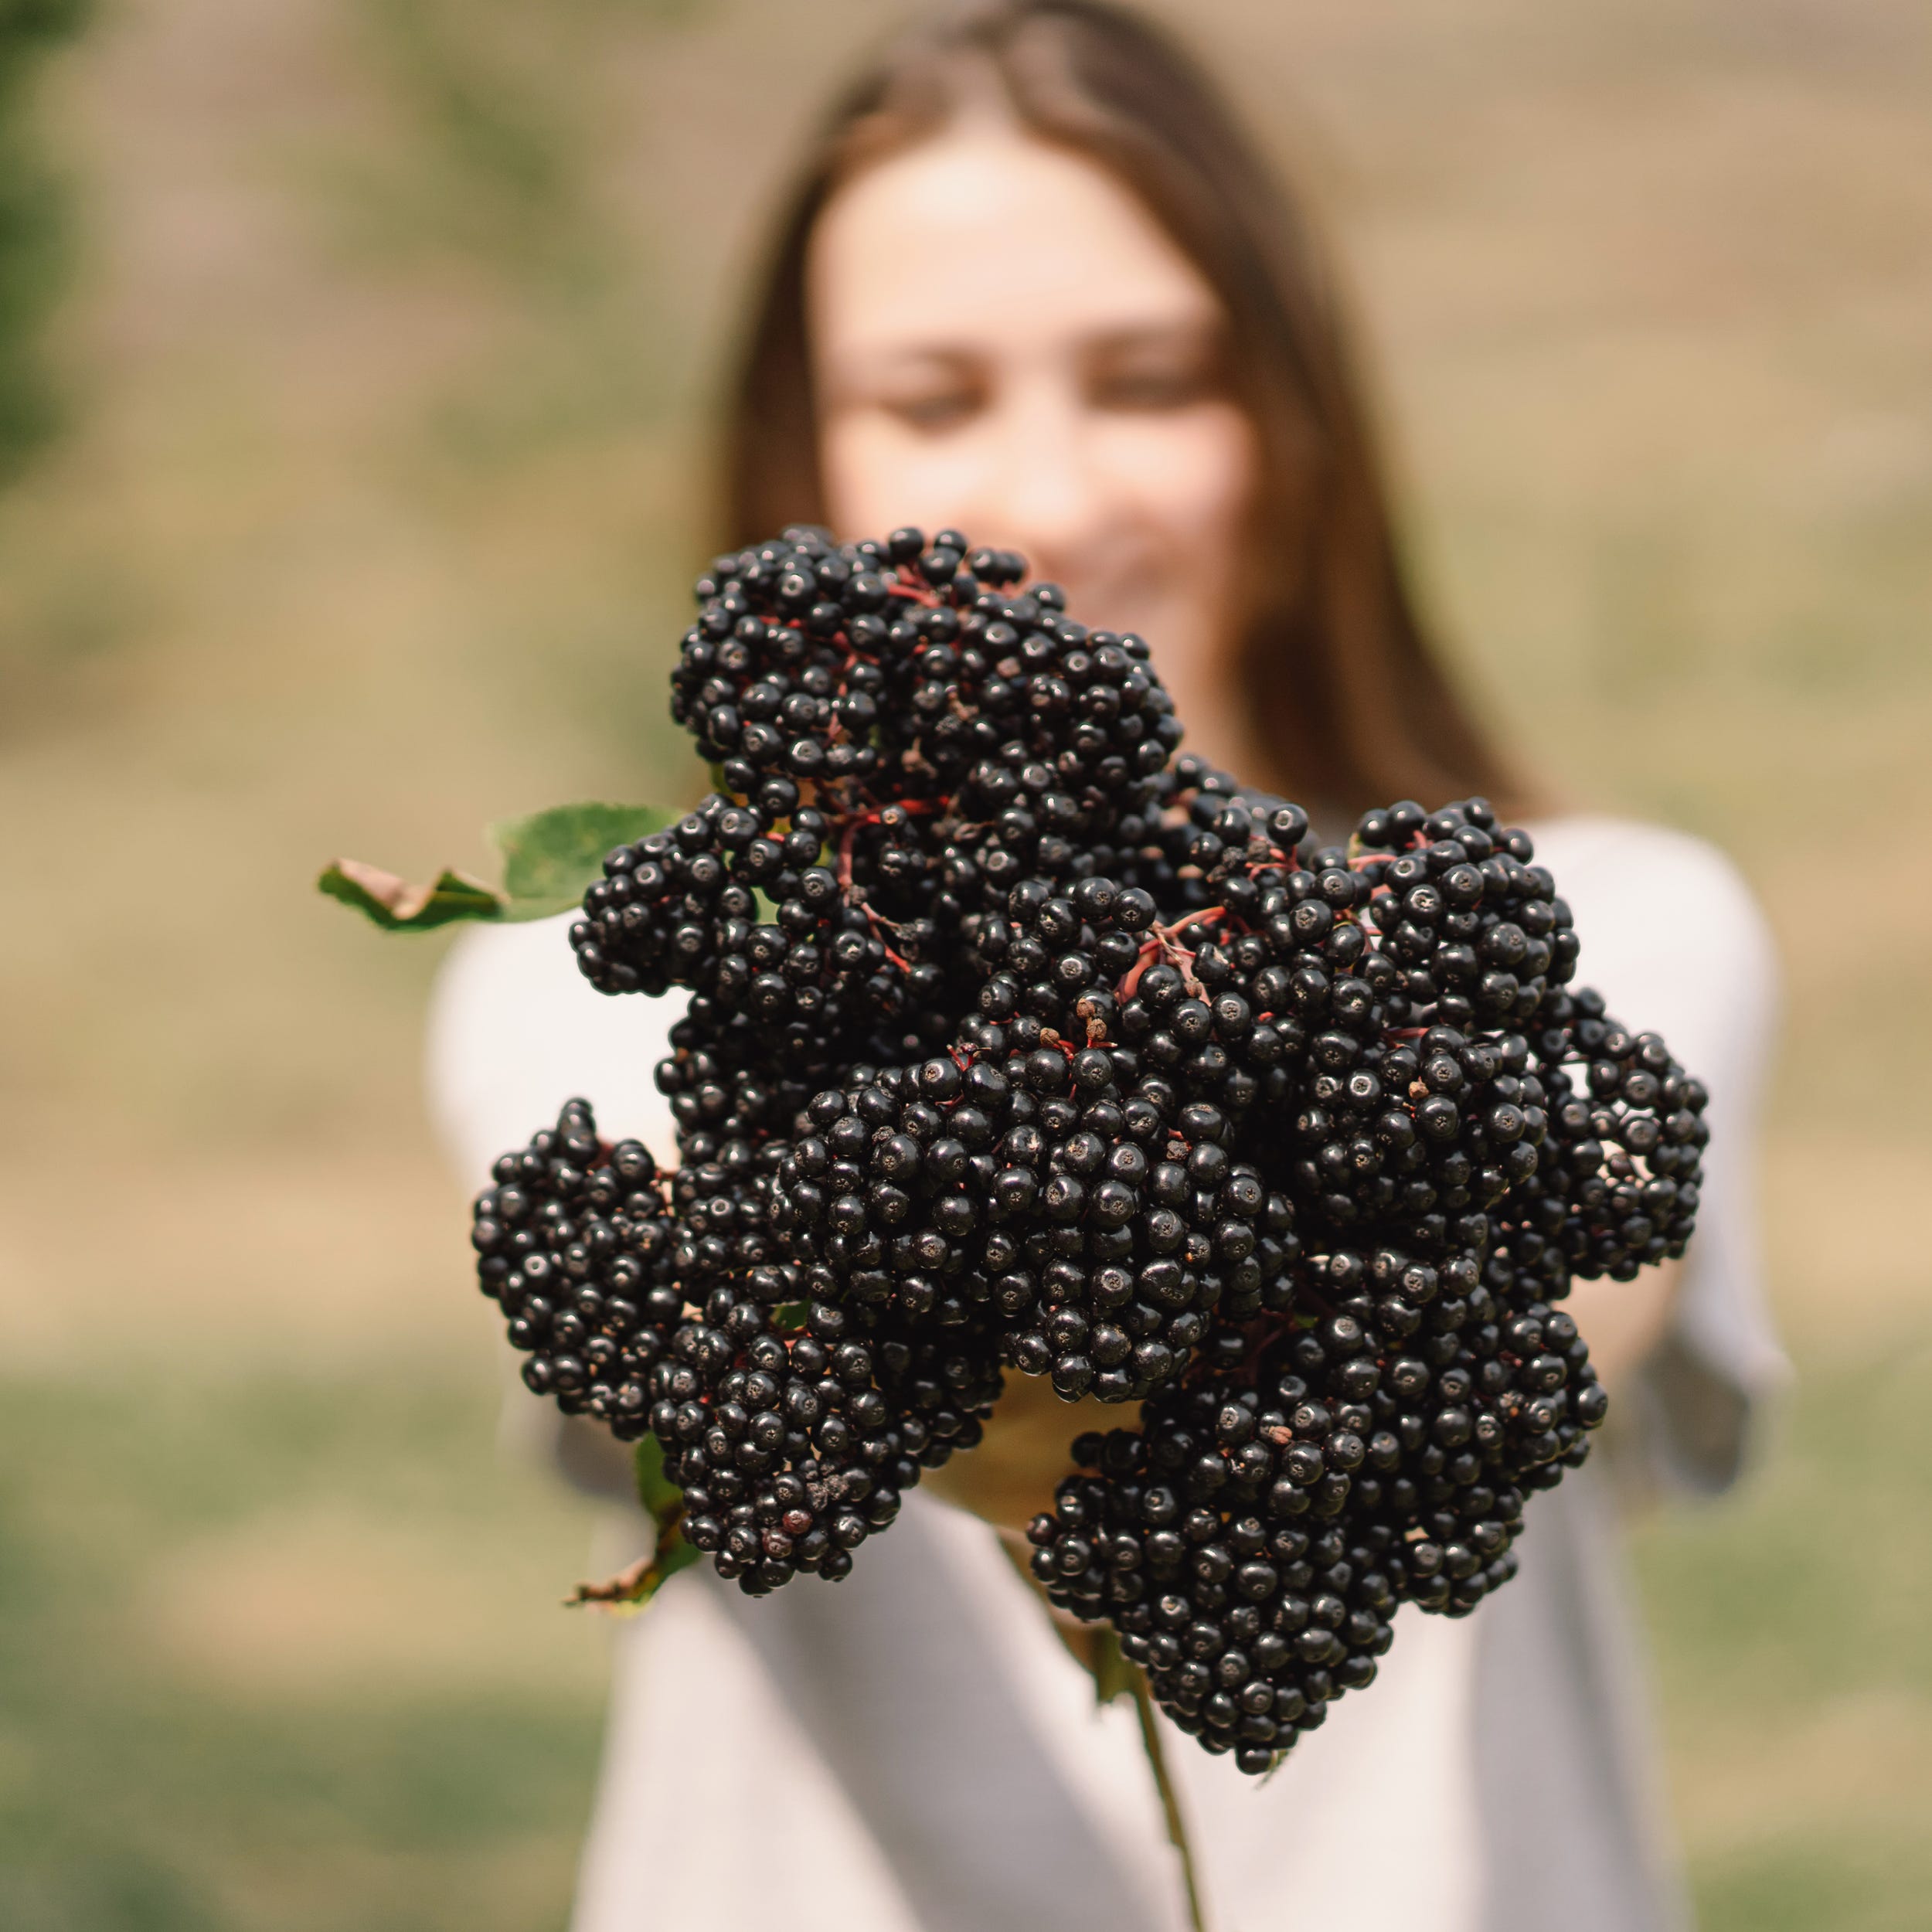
1004 341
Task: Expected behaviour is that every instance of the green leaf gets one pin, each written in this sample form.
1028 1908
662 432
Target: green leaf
680 1556
790 1314
551 858
658 1494
630 1589
397 906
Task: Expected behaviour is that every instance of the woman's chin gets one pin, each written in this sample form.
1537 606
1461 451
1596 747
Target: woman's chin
1161 620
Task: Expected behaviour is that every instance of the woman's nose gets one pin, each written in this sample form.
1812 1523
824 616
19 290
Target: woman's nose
1047 496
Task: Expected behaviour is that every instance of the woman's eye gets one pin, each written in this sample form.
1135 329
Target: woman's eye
932 411
1162 383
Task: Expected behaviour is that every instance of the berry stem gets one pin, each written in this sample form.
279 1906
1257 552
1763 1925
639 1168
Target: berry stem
633 1586
906 582
1156 1760
1165 943
853 896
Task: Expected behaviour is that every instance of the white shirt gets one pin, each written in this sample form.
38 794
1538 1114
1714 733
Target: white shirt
912 1749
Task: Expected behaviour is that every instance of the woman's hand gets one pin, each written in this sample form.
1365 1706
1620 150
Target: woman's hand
1010 1477
1624 1321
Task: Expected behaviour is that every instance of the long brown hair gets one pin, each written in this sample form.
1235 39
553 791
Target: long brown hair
1354 708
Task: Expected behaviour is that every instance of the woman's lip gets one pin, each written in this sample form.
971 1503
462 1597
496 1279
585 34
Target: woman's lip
1108 604
1143 617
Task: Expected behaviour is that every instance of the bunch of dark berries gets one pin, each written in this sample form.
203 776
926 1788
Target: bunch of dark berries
1015 1042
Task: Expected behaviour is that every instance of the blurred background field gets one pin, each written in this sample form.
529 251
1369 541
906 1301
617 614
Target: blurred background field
386 366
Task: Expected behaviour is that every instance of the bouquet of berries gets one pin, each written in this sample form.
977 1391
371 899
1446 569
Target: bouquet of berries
1016 1042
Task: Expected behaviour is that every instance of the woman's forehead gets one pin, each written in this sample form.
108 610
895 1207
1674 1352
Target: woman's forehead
987 237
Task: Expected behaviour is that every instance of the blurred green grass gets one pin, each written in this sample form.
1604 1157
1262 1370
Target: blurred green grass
242 1740
1794 1674
387 369
229 1743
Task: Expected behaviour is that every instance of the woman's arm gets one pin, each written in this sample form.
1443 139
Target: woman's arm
1675 941
514 1030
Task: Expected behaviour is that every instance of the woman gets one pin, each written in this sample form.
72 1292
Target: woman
1035 286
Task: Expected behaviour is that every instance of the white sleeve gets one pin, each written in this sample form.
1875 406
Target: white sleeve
514 1030
1674 941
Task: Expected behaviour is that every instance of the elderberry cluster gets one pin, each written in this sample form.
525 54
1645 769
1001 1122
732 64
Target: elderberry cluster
1408 1379
1022 1185
641 1301
1015 1042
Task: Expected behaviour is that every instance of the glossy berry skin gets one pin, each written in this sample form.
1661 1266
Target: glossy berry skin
652 1303
1018 1043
